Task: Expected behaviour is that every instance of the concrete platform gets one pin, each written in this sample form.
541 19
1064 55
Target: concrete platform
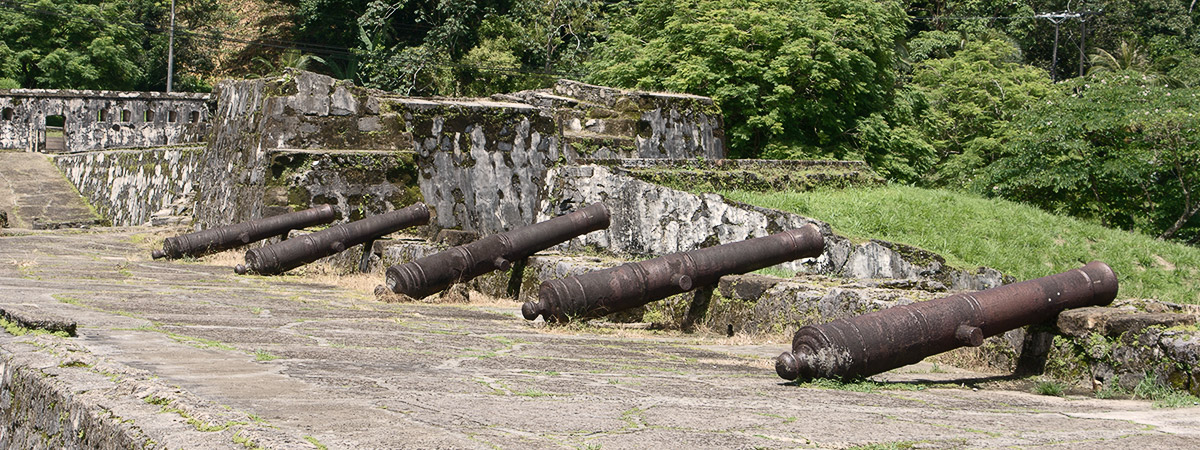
186 354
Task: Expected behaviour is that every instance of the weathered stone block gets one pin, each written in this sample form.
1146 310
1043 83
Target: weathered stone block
128 186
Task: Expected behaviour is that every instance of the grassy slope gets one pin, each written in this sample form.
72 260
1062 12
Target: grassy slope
1018 240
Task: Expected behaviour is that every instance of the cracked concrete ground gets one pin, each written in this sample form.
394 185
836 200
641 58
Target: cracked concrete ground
193 356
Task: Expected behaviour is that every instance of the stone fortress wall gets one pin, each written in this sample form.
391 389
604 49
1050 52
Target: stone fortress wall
97 120
490 165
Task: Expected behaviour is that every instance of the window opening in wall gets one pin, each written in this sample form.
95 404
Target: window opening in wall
8 113
126 115
148 116
194 117
102 115
172 116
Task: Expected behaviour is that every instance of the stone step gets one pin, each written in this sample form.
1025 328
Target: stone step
36 195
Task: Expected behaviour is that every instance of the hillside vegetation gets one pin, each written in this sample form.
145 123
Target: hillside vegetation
1019 240
1101 123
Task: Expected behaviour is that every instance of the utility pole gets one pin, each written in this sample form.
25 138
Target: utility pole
1057 19
171 49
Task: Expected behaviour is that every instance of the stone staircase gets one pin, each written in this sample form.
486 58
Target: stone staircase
34 194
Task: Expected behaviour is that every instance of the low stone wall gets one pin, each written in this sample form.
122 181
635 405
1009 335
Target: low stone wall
651 220
128 186
97 120
761 175
1116 347
55 395
604 122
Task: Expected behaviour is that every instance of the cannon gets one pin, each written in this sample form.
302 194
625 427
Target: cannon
292 253
596 294
431 274
883 340
224 238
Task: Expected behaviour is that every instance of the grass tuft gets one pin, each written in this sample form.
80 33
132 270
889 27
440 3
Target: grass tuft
1163 396
263 355
1048 387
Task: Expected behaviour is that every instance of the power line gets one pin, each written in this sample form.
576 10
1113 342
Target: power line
970 17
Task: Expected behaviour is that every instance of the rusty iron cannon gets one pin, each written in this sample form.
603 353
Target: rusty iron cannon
883 340
224 238
596 294
292 253
431 274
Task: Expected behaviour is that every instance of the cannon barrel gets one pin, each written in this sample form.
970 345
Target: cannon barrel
431 274
292 253
895 337
603 292
224 238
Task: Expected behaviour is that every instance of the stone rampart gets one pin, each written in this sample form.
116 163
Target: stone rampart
482 164
128 186
98 120
603 122
651 220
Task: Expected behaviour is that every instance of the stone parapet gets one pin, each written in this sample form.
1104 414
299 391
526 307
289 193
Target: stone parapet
98 120
651 220
128 186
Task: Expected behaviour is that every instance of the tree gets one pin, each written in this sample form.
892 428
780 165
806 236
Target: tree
972 97
1118 147
1126 57
101 44
68 44
792 77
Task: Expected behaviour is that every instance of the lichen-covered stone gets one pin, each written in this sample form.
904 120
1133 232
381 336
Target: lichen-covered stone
604 122
128 186
356 184
98 120
483 164
652 220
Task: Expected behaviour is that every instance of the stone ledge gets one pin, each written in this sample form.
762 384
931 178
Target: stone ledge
56 394
1114 321
35 318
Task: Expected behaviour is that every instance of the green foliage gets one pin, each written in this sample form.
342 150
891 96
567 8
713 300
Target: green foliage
1162 395
972 96
102 44
1121 148
787 79
70 44
263 355
1018 240
1048 387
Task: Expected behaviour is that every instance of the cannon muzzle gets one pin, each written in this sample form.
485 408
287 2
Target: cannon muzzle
224 238
603 292
431 274
292 253
895 337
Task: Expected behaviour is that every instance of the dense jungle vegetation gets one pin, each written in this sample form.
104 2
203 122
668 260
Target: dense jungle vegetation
968 95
